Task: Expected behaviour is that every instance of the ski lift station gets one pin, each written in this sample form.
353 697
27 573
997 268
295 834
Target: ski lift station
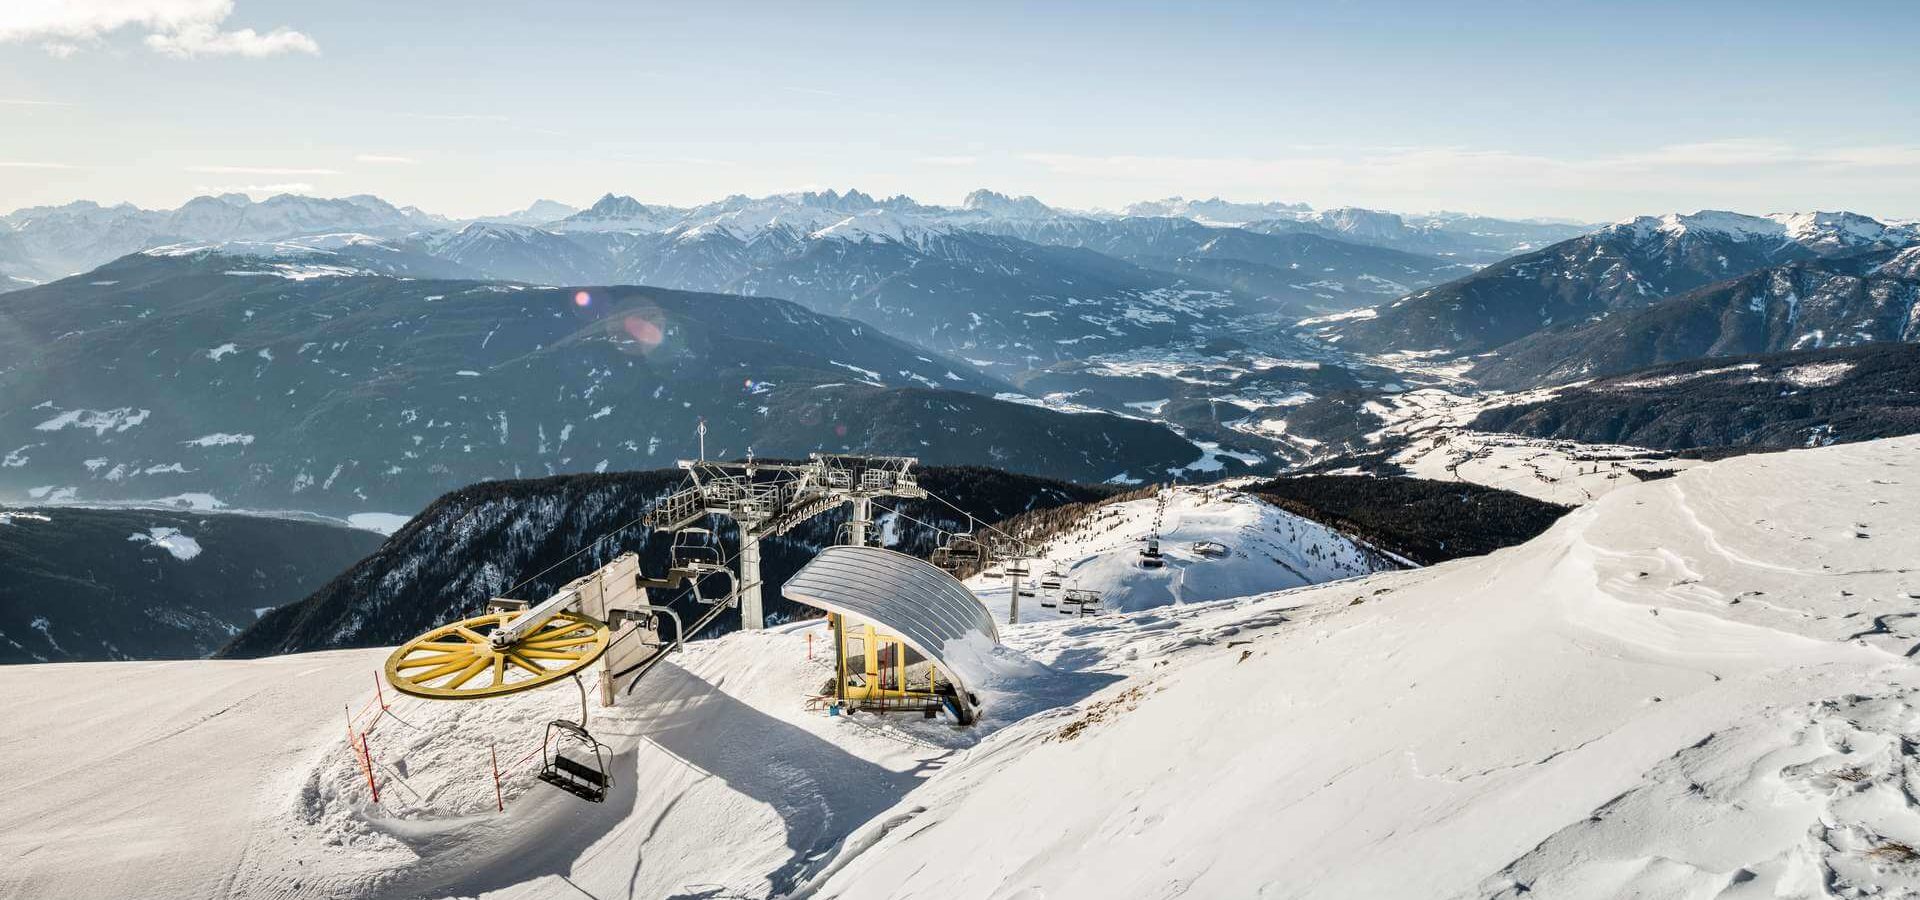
897 624
904 629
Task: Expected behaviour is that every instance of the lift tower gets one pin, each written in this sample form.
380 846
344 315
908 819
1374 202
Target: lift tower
770 498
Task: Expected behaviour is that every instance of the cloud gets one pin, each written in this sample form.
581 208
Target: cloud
460 117
381 159
18 164
258 170
948 160
207 40
291 187
5 102
179 28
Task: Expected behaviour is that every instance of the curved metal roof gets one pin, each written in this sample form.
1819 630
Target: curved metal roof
910 597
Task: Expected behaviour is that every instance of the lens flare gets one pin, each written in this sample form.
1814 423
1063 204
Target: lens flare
582 299
643 330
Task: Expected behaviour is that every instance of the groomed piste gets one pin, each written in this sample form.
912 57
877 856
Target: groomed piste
1693 687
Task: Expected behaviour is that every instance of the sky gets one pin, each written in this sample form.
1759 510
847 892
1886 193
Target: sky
1585 110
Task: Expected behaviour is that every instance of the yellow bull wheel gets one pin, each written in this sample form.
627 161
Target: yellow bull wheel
458 661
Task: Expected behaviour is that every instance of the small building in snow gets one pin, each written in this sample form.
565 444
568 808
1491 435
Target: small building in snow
901 627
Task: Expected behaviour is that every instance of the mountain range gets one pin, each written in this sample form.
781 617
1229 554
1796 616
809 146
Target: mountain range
290 378
1624 267
1867 297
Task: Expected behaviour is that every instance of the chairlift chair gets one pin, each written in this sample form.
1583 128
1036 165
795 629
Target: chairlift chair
1150 555
1086 599
577 774
694 548
963 547
1017 567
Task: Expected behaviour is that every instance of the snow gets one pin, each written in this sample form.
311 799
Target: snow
1439 446
1589 715
1817 374
879 226
220 439
1691 687
223 350
1269 550
181 546
1365 312
100 420
1567 472
1681 377
191 500
1822 230
378 522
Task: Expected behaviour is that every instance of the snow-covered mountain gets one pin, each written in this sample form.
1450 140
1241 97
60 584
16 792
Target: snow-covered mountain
1215 211
1867 297
521 253
1299 272
62 240
993 204
1453 236
613 212
1627 266
539 212
981 296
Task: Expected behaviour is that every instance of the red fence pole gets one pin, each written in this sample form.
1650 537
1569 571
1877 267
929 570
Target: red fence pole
378 693
498 802
366 756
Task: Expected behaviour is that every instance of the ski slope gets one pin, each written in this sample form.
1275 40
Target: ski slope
1268 549
1692 687
1696 687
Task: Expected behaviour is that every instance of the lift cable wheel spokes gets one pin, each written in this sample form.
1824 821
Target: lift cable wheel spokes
463 660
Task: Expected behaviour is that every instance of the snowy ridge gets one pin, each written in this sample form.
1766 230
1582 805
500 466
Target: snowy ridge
1819 230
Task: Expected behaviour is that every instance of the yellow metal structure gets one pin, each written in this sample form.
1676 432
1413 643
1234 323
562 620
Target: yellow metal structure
458 661
878 670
